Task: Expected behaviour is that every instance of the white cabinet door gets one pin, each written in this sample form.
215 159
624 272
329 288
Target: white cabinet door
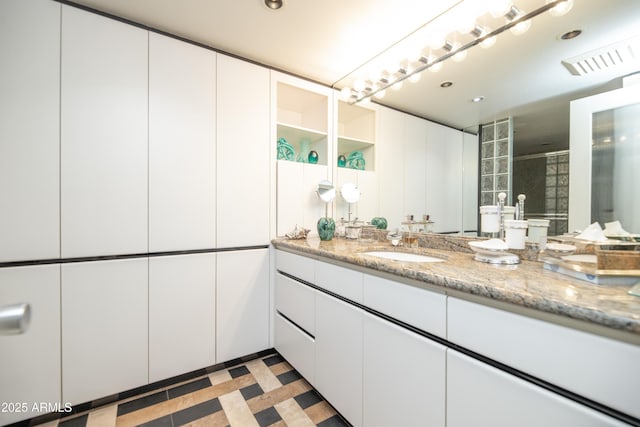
242 303
29 129
105 324
181 314
444 178
420 308
103 135
390 162
415 166
297 347
339 356
182 145
30 368
480 395
243 91
403 377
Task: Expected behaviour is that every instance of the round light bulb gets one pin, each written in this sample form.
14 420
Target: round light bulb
436 42
487 43
436 67
397 86
466 24
413 78
345 93
561 8
521 27
460 56
380 94
358 85
499 8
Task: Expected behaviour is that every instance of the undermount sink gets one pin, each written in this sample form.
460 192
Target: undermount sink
403 256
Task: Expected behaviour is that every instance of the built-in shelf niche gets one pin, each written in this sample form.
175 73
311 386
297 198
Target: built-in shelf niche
302 115
356 132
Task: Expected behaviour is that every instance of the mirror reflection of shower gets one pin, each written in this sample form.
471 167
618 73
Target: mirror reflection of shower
544 178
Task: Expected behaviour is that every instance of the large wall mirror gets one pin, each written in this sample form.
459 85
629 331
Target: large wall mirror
532 79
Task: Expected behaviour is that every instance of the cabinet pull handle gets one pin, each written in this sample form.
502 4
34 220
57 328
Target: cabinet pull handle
14 319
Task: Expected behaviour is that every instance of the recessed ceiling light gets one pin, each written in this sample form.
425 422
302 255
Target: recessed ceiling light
446 84
273 4
571 34
478 99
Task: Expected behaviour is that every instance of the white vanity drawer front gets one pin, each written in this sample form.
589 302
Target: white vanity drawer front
296 347
421 308
599 368
339 280
296 265
297 302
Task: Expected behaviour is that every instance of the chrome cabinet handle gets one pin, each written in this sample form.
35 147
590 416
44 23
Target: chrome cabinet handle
14 318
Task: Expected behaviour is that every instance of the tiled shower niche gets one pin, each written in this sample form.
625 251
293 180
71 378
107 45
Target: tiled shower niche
495 167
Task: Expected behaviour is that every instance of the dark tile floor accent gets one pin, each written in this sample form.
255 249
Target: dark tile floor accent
262 392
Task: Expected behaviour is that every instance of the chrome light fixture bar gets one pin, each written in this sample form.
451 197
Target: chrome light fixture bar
515 19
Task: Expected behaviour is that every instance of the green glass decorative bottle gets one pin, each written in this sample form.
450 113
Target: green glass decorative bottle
313 157
326 228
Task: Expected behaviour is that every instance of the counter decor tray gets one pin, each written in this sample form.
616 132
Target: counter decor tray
604 267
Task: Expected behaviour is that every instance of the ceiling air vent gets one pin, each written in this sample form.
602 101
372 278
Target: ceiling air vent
604 58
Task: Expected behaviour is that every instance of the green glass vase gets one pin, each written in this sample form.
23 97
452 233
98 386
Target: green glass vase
326 228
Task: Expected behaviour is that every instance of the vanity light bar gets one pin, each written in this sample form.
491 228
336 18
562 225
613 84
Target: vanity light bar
514 17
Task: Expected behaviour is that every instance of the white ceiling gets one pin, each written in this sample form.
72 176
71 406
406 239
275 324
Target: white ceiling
328 41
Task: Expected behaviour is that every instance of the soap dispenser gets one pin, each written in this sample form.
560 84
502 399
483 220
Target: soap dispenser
409 240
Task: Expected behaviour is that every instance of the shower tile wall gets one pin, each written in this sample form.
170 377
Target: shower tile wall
496 153
544 179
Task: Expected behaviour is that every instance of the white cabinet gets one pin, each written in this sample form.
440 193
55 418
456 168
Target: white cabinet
30 368
339 280
103 135
296 347
295 324
390 151
296 265
302 112
242 303
339 356
356 132
415 154
297 302
29 129
478 394
403 377
243 123
181 314
105 324
420 308
566 357
182 145
444 178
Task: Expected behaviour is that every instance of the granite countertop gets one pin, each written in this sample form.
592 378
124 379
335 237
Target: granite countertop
526 284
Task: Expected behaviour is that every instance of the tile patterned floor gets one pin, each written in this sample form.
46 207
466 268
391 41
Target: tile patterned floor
263 392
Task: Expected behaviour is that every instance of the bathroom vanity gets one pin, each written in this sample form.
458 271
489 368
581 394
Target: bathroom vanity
456 342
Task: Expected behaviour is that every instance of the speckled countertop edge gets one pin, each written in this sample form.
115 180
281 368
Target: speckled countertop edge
526 284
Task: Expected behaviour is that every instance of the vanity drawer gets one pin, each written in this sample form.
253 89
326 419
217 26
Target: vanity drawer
297 302
296 265
339 280
296 347
599 368
420 308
